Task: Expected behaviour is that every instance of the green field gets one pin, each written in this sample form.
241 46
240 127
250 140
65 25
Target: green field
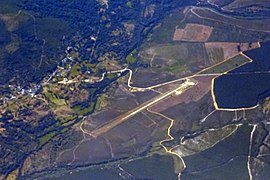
228 65
215 54
46 138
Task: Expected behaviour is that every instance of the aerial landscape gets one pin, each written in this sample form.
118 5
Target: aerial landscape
135 89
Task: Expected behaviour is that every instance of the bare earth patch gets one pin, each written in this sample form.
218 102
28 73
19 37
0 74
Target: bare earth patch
230 49
193 32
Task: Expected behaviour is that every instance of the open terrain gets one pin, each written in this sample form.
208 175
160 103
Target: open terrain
124 86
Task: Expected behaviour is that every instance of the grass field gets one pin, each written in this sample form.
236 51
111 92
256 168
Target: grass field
215 54
174 58
228 65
